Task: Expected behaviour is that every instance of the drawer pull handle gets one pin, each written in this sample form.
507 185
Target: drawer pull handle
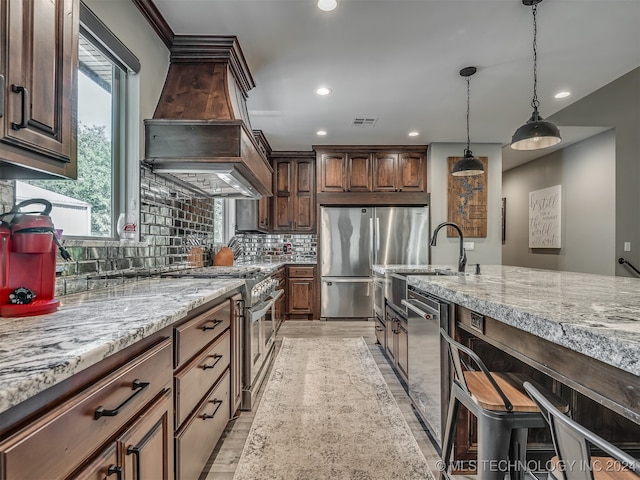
24 123
135 451
113 469
216 402
206 327
379 329
137 386
217 358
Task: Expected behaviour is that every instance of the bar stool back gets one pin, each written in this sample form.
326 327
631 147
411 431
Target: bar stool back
503 409
572 443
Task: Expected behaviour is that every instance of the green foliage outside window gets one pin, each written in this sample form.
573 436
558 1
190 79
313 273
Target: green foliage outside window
95 178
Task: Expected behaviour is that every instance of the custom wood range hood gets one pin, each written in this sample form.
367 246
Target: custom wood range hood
200 132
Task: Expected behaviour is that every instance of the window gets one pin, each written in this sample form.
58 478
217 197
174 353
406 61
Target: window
89 206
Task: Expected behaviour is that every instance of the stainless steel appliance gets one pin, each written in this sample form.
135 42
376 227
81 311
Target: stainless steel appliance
352 239
425 316
259 295
248 216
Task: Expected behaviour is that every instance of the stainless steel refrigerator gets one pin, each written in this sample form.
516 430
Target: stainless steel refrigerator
352 239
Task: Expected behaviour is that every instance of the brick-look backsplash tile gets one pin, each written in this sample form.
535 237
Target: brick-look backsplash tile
7 188
173 219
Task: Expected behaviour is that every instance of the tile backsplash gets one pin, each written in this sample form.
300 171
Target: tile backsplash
177 228
7 188
271 246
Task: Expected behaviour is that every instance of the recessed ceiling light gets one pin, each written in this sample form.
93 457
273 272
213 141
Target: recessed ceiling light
327 5
323 91
322 133
414 134
562 94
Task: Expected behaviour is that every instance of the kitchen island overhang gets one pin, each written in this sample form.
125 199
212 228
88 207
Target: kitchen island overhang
580 329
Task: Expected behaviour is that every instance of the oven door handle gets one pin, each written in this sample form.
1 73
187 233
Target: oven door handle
414 308
259 311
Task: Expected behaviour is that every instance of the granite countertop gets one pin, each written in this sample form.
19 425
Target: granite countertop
38 352
596 315
271 266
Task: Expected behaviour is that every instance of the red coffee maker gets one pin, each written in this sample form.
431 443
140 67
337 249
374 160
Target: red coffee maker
28 245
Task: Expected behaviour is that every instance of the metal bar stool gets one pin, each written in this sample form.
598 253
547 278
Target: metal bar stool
572 441
503 409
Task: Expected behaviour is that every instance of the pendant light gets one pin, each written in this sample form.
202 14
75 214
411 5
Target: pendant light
469 165
537 133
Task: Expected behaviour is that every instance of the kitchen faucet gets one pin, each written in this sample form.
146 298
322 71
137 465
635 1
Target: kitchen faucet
462 261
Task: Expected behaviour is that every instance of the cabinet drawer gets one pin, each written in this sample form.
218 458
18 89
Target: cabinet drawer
301 272
197 440
194 335
199 375
62 438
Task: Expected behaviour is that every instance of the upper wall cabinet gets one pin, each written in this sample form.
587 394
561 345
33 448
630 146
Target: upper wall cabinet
38 69
294 192
371 169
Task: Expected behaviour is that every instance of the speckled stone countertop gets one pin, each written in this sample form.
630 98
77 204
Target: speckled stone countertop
38 352
270 267
596 315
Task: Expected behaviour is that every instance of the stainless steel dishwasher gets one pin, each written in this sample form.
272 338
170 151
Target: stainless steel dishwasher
426 315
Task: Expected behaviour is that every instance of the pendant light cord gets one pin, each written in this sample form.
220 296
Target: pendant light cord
468 95
535 103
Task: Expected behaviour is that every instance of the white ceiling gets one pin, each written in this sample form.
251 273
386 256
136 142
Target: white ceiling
399 60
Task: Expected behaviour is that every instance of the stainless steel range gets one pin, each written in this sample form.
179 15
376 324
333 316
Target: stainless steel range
258 329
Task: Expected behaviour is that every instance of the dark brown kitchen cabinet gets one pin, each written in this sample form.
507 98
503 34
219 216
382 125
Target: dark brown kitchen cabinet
264 213
294 206
345 172
332 172
236 352
399 172
412 172
64 437
384 172
301 292
264 204
397 347
204 402
280 306
38 78
147 445
371 169
146 448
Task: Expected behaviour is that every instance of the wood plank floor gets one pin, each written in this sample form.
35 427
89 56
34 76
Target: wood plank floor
224 460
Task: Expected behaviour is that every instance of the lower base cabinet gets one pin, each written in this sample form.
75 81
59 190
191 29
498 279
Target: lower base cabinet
64 438
198 437
154 411
396 338
145 448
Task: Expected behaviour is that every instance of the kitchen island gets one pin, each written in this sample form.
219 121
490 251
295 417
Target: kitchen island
579 334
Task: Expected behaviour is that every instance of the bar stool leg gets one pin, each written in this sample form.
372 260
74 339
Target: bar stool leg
518 453
494 438
449 433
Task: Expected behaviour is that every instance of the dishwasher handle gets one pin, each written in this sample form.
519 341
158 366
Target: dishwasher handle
414 308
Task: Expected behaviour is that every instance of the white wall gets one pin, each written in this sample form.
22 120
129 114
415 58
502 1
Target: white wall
487 250
586 172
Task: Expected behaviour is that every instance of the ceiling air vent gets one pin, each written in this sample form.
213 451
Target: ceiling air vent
364 122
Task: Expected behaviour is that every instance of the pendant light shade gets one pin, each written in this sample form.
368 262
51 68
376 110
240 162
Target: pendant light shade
536 133
468 165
